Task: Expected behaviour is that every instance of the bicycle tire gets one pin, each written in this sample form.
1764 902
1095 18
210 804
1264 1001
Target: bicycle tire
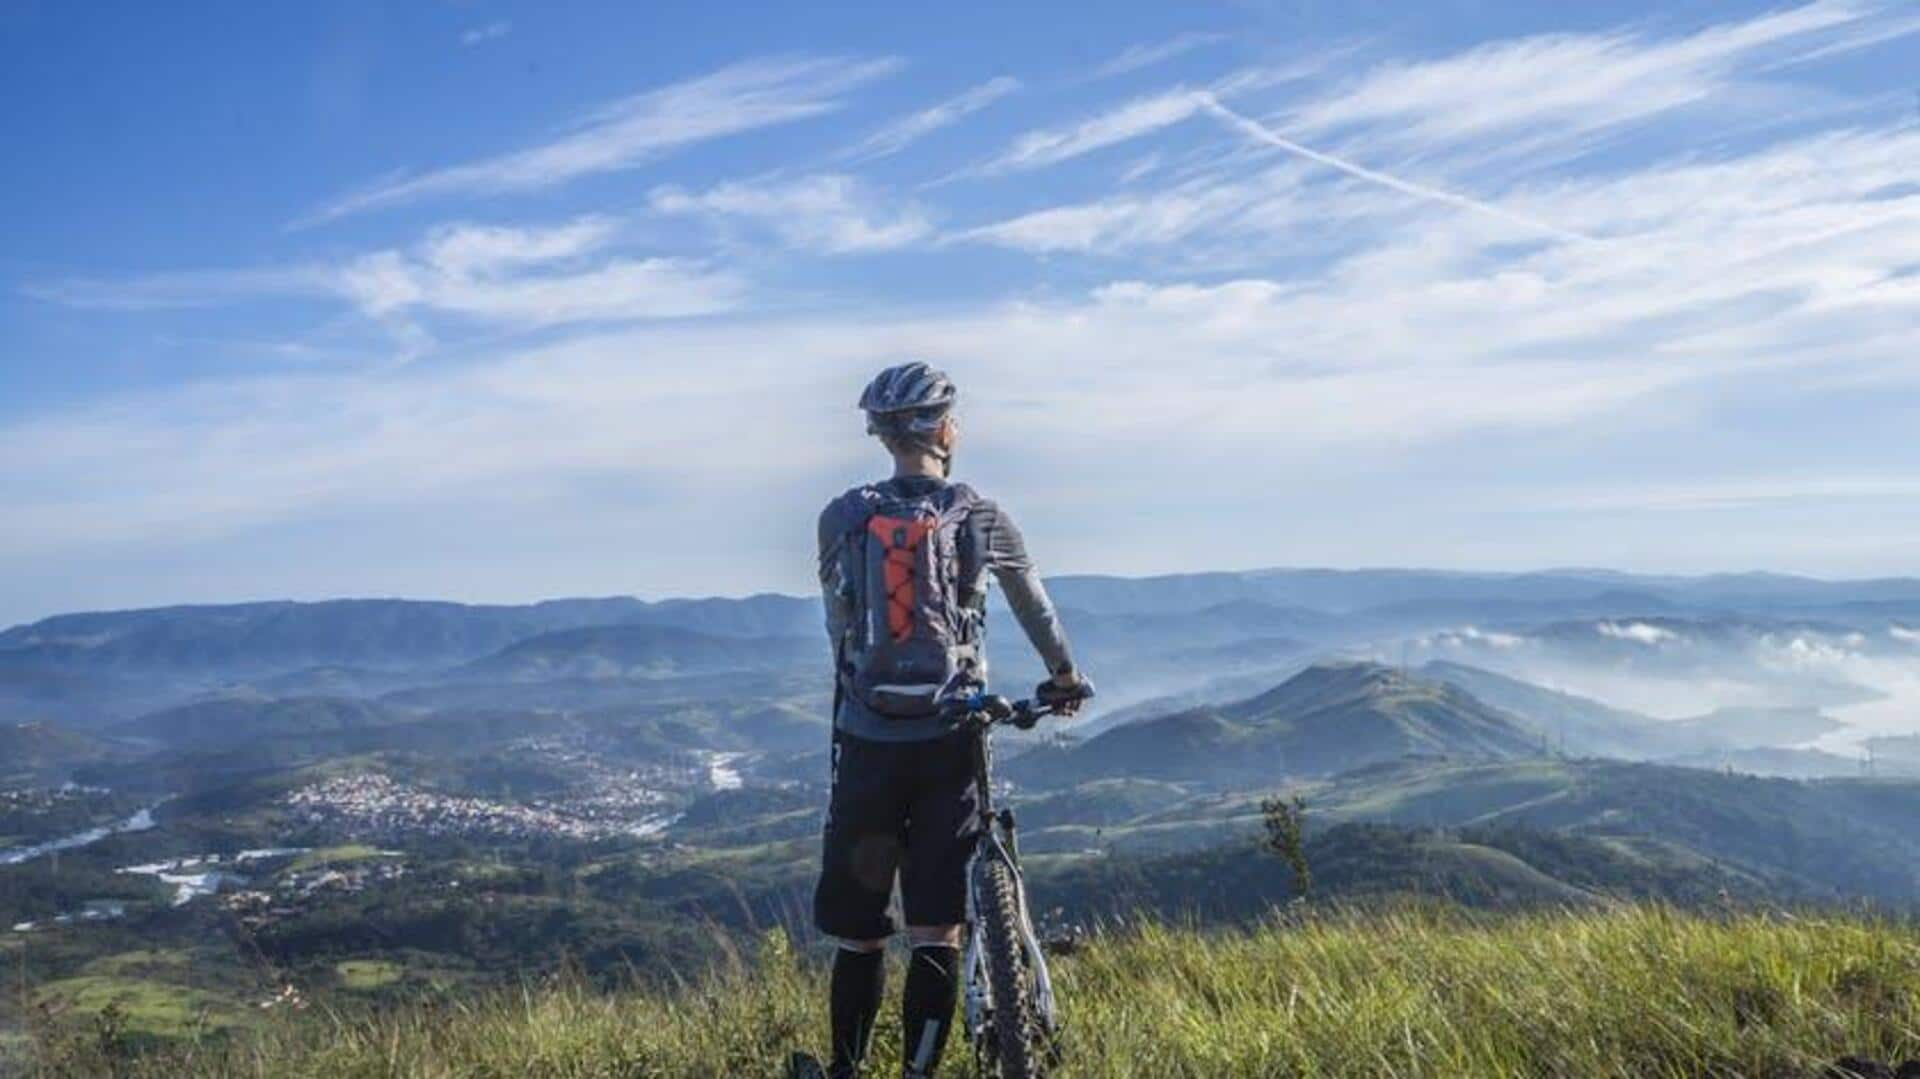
1016 1052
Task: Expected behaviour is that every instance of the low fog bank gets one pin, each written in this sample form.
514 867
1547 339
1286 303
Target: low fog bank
1868 680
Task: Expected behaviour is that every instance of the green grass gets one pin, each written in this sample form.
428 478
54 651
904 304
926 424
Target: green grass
364 975
344 854
155 1008
159 964
1642 992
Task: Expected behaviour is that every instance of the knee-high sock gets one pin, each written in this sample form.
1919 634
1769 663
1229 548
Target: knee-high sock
859 978
926 1007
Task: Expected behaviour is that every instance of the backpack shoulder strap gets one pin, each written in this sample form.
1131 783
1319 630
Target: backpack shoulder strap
849 512
959 500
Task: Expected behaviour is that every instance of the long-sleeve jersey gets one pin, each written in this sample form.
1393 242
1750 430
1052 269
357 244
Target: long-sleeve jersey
1002 551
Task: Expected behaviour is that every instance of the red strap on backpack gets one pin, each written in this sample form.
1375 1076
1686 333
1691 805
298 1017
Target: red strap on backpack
901 536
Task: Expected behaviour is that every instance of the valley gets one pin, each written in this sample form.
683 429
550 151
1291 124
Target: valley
372 801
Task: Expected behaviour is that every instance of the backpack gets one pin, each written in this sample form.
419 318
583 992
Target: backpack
915 588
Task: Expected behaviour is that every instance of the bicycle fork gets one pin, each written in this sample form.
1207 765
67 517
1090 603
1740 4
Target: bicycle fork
979 990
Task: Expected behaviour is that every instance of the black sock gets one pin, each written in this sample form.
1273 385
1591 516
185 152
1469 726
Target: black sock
926 1008
859 978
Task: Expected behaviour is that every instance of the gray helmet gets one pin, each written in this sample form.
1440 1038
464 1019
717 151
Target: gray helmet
908 400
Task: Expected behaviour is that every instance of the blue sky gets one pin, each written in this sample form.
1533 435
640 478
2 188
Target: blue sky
493 302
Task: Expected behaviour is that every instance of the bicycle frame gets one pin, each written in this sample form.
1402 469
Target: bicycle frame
997 842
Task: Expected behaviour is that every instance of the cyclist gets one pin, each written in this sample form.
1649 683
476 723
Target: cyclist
903 568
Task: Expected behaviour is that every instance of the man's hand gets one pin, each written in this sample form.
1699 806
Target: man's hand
1064 692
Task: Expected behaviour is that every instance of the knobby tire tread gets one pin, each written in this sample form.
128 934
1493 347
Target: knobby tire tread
1016 1021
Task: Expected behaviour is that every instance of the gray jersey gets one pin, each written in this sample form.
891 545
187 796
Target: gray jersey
1003 553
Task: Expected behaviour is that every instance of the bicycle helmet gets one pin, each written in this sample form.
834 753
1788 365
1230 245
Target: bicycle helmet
910 400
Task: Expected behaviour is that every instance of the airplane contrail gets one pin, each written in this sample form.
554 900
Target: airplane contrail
1261 133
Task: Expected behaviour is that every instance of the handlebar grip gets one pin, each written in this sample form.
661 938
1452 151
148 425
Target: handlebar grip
1050 694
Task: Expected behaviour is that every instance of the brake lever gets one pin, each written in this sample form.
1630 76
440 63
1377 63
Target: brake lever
1026 715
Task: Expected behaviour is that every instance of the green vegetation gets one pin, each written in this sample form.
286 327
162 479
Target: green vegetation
367 974
344 854
1627 992
152 1008
531 945
1329 718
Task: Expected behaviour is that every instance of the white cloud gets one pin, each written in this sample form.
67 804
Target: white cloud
515 276
1474 635
1332 320
468 250
532 277
1135 57
829 213
1141 116
1138 118
1435 332
390 283
623 134
1260 132
1086 227
492 31
1132 222
1557 88
913 127
1638 632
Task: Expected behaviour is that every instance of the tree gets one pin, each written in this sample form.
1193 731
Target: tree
1285 820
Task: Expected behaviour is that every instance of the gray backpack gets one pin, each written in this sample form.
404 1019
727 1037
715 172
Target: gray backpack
916 592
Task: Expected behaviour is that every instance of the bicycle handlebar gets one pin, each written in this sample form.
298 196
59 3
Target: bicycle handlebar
984 710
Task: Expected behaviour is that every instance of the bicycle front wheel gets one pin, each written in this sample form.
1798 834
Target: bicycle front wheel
1015 1034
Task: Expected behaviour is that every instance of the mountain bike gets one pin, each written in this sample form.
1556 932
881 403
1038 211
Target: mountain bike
1011 1017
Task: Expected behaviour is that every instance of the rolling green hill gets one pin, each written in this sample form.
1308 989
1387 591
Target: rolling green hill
1485 868
1329 718
231 721
40 750
638 651
1829 838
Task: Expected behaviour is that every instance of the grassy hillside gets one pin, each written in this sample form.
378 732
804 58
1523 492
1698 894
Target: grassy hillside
1834 838
1328 718
36 750
1628 992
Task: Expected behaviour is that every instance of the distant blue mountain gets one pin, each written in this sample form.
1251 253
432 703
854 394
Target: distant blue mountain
93 668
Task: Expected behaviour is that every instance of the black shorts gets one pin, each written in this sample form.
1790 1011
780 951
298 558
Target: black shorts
897 807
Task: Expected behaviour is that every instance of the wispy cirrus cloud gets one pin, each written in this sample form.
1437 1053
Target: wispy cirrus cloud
1130 120
1563 88
526 276
1501 100
742 97
1148 220
1436 340
1135 57
532 277
1172 215
480 35
831 214
1266 135
1324 276
913 127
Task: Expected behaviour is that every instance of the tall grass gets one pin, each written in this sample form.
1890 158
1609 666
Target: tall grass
1632 992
